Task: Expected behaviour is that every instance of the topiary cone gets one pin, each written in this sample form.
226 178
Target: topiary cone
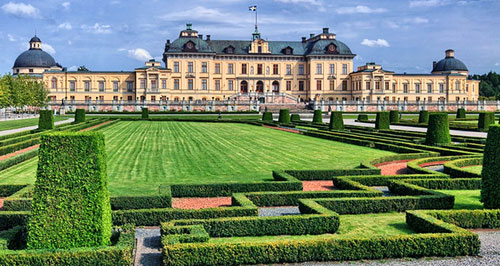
438 130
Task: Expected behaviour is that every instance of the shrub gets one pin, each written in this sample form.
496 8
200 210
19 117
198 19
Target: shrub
485 120
70 206
460 113
267 116
490 187
336 121
362 117
284 117
79 115
318 116
423 117
145 113
46 120
295 118
394 116
382 121
438 130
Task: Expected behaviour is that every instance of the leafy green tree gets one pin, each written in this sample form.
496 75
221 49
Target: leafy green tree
82 68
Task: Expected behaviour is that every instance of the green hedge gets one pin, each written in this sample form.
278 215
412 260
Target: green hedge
469 218
336 121
382 120
72 209
284 117
317 117
295 118
267 116
460 113
46 120
362 117
438 130
145 113
490 191
18 146
8 189
79 116
394 116
328 174
6 163
485 120
447 183
423 117
455 168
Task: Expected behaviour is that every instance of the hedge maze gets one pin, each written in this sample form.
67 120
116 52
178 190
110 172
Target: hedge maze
422 197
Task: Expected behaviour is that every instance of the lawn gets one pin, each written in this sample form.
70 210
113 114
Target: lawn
465 199
351 226
13 124
144 154
476 169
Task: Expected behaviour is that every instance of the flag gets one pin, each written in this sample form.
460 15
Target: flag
252 8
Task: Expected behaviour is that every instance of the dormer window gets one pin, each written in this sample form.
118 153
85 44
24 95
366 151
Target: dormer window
229 50
288 50
331 49
190 47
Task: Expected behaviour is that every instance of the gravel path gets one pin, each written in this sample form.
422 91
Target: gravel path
279 211
148 251
12 131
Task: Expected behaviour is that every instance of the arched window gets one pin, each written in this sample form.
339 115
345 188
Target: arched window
244 87
260 87
276 87
54 83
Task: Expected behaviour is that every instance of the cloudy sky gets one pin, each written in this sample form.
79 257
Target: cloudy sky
402 35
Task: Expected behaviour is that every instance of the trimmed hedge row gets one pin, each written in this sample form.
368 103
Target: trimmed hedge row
46 120
382 121
295 118
79 116
485 120
362 117
284 117
394 116
469 218
9 189
328 174
267 116
460 113
423 117
336 121
447 183
145 113
455 168
490 196
18 146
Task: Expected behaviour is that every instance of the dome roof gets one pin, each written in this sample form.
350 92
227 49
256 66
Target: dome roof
35 39
35 58
449 63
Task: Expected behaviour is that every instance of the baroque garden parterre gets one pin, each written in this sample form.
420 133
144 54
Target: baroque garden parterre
153 161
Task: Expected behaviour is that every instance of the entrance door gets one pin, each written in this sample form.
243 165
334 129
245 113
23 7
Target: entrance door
276 87
260 87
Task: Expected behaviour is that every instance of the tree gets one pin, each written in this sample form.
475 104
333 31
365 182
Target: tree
22 90
82 68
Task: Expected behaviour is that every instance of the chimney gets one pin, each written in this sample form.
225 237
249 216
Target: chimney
450 53
434 63
311 35
325 30
200 36
168 41
303 39
208 37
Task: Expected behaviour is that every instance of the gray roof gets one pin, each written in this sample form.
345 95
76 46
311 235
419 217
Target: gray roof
35 58
35 39
449 64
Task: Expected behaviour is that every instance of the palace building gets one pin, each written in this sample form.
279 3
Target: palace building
199 69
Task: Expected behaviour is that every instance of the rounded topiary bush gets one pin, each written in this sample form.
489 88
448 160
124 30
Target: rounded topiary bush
438 130
461 113
145 113
423 117
485 120
295 118
394 116
490 179
46 120
336 121
267 116
79 115
362 117
284 117
382 121
318 116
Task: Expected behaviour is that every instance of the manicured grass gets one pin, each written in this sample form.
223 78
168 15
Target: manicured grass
363 225
465 199
13 124
144 154
476 169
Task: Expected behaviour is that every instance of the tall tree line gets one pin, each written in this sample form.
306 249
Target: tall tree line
22 91
489 88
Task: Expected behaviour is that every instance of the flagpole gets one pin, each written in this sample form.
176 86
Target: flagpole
256 19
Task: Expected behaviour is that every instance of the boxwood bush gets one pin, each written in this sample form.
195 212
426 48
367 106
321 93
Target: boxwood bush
295 118
490 187
485 120
318 116
267 116
70 206
362 117
382 121
438 130
423 117
394 116
79 115
460 113
145 113
46 120
284 117
336 121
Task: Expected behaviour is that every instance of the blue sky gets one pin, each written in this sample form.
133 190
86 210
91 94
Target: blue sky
402 35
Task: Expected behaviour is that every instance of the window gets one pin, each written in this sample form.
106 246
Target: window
368 83
163 83
31 70
332 85
244 68
54 83
204 83
259 49
154 84
377 85
130 86
143 83
467 87
332 69
217 85
72 85
288 69
429 87
101 86
176 67
288 85
318 84
190 84
230 69
101 98
129 98
204 67
301 69
275 69
387 85
441 88
319 69
344 85
251 70
176 84
301 85
344 69
457 85
405 88
190 67
394 88
230 85
115 86
217 68
259 69
115 98
417 87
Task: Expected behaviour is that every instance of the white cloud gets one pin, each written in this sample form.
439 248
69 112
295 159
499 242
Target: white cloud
21 9
11 38
497 64
48 48
418 20
427 3
202 13
137 54
359 9
72 68
307 2
66 5
97 28
374 43
65 26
